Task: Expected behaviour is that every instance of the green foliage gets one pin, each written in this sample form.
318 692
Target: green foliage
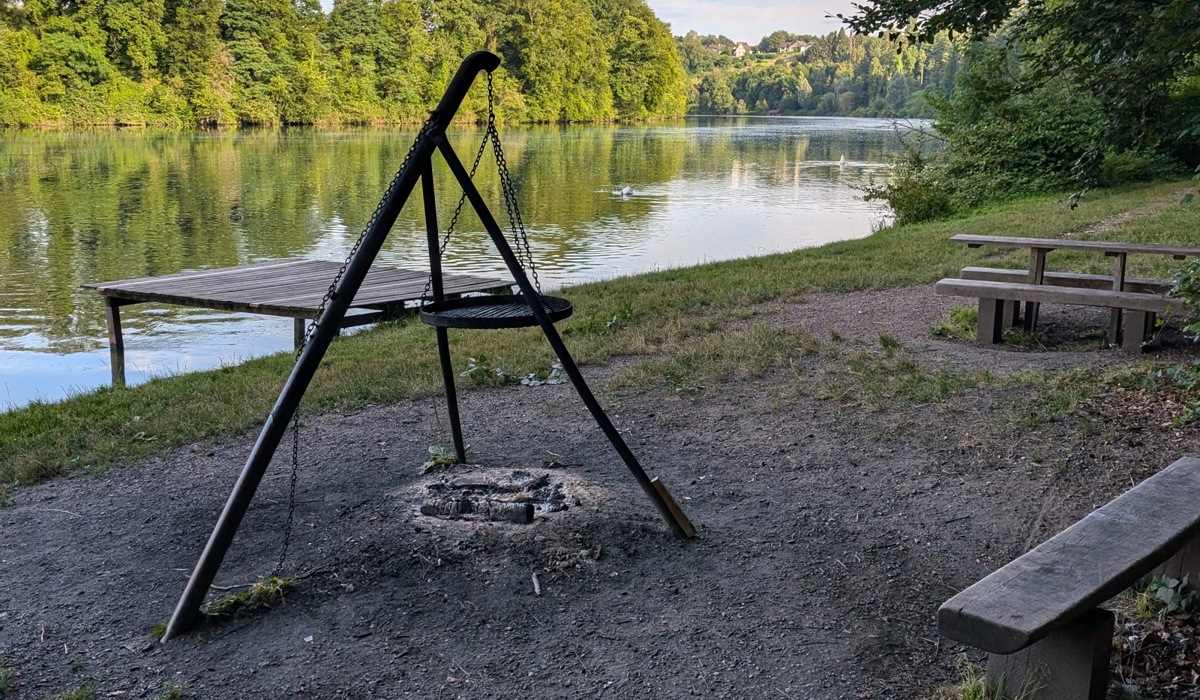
1186 375
596 324
261 595
273 62
836 74
439 458
916 188
1158 596
960 323
1135 62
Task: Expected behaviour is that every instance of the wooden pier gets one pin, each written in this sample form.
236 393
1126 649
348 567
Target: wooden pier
291 288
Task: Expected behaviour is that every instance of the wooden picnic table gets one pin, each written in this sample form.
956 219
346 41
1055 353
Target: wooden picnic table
291 288
1039 247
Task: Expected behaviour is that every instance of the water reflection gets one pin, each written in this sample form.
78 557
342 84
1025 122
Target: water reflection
83 207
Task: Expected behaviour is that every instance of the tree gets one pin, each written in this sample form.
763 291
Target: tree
1138 60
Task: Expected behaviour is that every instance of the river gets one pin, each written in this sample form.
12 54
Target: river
104 205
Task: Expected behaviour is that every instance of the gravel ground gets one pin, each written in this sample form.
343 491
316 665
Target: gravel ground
828 535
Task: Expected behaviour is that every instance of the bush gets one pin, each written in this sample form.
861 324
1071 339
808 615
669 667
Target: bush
915 188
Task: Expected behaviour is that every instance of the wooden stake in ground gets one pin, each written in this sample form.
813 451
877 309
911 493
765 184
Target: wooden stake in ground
685 525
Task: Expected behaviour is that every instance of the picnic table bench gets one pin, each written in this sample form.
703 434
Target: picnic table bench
1001 291
1039 617
290 288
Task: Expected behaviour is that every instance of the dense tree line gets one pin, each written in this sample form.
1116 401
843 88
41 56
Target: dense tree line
835 74
1051 97
207 62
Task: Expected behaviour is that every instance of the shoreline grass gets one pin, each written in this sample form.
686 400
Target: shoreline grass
659 313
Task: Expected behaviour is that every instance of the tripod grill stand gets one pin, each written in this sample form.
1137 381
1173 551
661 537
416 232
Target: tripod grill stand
538 309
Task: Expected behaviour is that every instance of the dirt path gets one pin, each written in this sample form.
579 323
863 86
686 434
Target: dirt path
828 536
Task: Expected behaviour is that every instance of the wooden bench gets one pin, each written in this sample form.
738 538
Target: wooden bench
1144 285
1139 322
1039 617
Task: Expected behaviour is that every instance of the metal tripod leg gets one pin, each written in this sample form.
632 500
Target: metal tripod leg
433 234
560 349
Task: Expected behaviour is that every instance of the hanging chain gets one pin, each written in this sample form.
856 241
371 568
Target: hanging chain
330 294
506 187
510 194
462 199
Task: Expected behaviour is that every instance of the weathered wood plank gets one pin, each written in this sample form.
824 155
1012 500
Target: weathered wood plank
1066 279
1081 567
182 276
1175 251
1044 293
290 288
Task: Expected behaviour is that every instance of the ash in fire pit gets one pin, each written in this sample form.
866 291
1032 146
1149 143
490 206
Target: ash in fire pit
516 498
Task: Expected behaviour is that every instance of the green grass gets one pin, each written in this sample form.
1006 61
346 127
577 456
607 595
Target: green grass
960 322
1044 397
672 316
262 595
88 693
874 377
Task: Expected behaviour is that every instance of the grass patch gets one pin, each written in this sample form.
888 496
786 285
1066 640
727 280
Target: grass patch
262 595
671 312
6 675
716 356
87 693
872 377
1045 397
960 323
173 692
1154 597
973 684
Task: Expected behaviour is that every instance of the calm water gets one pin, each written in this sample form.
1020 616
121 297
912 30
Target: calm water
86 207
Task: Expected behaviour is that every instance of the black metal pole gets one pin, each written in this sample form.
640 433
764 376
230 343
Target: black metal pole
433 234
556 342
326 329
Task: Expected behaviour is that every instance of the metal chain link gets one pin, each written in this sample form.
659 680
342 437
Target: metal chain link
462 199
330 294
516 224
510 195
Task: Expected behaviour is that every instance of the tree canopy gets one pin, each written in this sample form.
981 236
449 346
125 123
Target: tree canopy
838 74
1139 61
195 62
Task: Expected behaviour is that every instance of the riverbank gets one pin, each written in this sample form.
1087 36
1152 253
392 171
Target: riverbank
846 469
659 315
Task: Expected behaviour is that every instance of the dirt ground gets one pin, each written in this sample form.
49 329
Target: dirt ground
828 535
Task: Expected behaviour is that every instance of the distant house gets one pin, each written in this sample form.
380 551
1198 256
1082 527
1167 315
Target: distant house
741 49
794 47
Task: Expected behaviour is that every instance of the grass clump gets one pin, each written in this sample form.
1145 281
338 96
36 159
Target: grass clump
873 377
173 692
87 693
960 323
262 595
1157 596
715 356
439 458
1044 397
974 684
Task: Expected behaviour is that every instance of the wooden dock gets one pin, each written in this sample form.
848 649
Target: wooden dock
291 288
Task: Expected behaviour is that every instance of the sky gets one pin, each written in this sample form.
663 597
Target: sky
750 20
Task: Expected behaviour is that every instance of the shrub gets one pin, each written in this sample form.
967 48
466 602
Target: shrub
914 189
